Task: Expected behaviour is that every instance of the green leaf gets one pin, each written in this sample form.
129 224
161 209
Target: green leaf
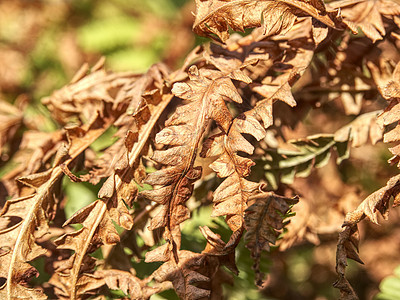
79 195
313 151
105 140
343 151
138 60
390 287
108 34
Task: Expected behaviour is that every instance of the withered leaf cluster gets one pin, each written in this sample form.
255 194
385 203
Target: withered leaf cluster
231 107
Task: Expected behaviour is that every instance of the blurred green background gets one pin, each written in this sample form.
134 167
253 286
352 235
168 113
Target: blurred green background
43 43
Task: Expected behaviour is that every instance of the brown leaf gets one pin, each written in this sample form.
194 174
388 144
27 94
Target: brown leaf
391 114
319 31
35 154
33 212
282 93
217 248
230 198
79 241
386 79
130 284
87 283
304 227
41 208
374 203
217 254
37 179
233 67
291 65
152 80
360 130
184 275
263 222
281 55
117 191
367 15
161 253
392 88
205 93
216 16
18 246
140 97
346 248
83 98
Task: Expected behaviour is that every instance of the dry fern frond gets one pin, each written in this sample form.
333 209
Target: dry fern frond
216 16
264 220
362 129
183 132
367 15
184 275
130 284
87 94
391 91
118 191
221 112
377 202
347 247
33 211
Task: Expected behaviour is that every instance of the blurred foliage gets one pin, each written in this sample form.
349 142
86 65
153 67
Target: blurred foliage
58 36
390 287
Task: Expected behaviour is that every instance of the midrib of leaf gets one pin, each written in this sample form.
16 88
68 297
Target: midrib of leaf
25 225
289 163
81 255
148 127
199 129
42 193
135 152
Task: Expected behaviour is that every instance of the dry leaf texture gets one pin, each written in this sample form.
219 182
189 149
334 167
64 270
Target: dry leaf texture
347 247
221 101
368 15
264 220
130 284
216 16
183 133
391 91
118 191
25 219
230 198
